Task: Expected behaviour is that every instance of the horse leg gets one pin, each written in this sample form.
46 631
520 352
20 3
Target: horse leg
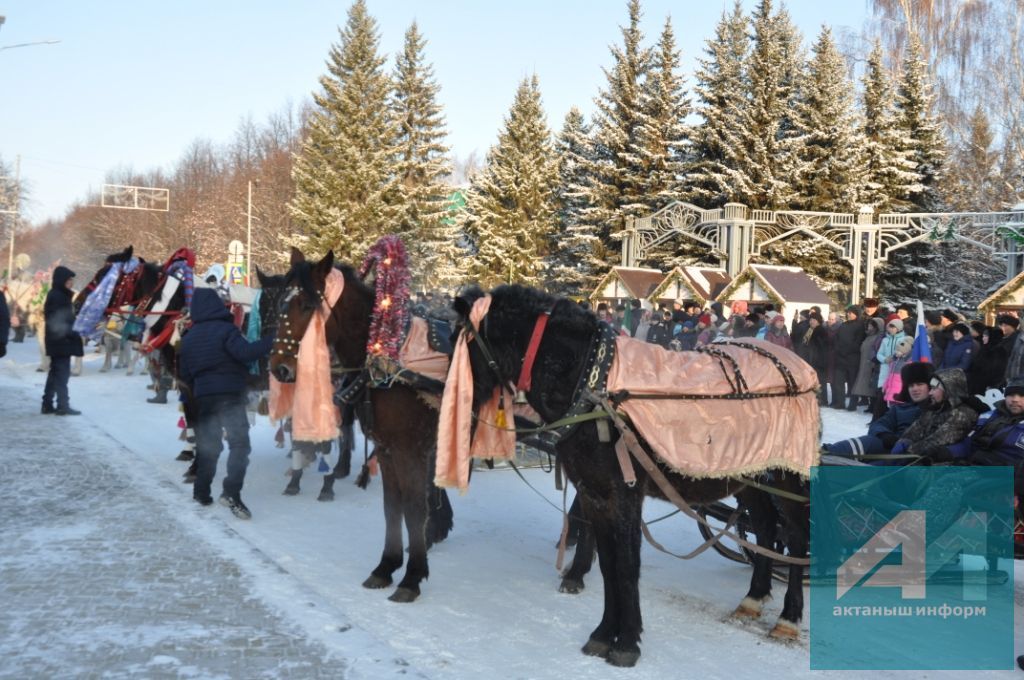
581 534
797 532
298 461
440 517
392 557
414 509
625 650
600 641
108 355
764 525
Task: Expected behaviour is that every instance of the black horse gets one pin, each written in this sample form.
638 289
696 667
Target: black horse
401 424
613 508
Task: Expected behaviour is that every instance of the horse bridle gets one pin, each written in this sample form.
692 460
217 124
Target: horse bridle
290 342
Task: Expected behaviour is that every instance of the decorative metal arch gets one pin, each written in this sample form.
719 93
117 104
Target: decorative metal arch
734 233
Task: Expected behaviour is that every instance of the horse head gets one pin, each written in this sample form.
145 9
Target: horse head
304 284
498 344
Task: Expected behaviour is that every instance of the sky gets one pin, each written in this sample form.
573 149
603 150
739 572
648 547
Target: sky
132 84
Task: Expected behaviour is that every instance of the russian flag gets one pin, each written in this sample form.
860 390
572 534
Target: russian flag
921 351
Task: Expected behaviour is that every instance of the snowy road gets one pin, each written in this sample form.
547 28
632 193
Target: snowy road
107 568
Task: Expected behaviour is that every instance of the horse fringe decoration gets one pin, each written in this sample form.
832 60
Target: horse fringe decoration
390 309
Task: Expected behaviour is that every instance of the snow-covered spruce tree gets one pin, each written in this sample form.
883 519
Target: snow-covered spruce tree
511 207
890 174
573 267
715 176
664 145
617 189
770 146
422 164
920 128
831 173
910 273
346 192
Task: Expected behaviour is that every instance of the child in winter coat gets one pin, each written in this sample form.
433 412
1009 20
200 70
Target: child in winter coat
894 382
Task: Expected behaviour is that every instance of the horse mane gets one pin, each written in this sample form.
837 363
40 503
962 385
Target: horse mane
514 300
122 256
302 274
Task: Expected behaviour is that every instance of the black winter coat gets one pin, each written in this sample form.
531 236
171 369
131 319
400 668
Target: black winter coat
5 320
214 356
849 336
59 314
815 350
988 367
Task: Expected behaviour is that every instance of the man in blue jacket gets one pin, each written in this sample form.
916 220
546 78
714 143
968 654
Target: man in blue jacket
998 437
885 432
213 361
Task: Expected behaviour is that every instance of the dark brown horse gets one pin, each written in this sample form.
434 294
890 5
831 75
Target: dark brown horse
612 507
401 424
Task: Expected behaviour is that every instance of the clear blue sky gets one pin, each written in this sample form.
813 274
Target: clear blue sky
131 84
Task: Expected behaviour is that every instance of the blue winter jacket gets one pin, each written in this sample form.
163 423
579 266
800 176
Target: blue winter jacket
214 356
997 439
882 433
958 354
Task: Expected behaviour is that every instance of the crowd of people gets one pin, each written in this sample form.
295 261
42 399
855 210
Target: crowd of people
857 355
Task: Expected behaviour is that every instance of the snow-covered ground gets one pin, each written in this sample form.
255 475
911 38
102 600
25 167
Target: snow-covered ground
491 606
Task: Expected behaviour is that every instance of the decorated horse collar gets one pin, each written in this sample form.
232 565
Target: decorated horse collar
593 379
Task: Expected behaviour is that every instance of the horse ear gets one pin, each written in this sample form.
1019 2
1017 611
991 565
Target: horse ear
259 277
128 252
297 256
323 267
464 302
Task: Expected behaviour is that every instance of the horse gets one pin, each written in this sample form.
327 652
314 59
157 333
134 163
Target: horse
610 505
402 426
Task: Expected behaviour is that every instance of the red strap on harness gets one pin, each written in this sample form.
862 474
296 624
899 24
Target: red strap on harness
526 374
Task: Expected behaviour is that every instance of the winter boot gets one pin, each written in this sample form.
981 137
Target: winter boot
237 507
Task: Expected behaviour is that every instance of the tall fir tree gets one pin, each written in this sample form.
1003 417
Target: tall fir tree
910 273
715 176
914 101
617 190
422 165
511 206
664 136
346 192
973 182
575 261
831 175
890 174
770 141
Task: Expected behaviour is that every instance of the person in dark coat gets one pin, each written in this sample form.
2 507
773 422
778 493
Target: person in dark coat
987 368
812 347
5 324
998 438
61 342
960 348
1013 343
213 361
865 387
884 432
848 338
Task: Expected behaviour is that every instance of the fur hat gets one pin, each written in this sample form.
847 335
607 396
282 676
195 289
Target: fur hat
1008 320
816 317
716 307
854 309
933 317
912 373
950 315
1014 385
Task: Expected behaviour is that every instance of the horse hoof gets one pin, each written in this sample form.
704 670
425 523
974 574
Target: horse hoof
186 455
188 479
623 658
376 582
596 648
290 490
404 595
326 496
749 608
785 631
572 586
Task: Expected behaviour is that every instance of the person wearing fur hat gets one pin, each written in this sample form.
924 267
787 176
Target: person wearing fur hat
960 349
884 432
848 338
950 414
62 342
870 307
1013 343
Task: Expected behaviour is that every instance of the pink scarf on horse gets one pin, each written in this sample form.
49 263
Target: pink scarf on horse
310 399
455 445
